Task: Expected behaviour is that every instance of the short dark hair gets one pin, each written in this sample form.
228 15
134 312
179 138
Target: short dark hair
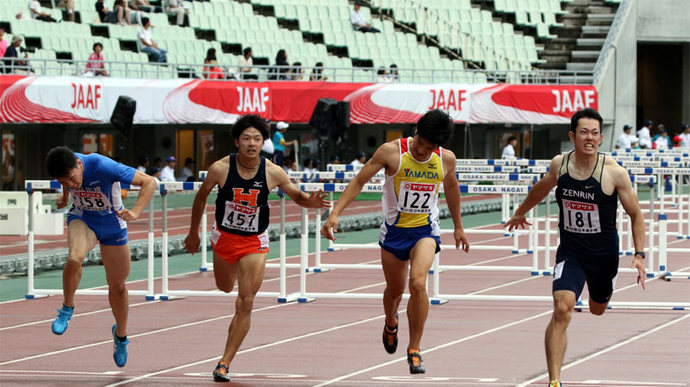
585 113
436 126
144 20
246 51
95 45
511 139
59 161
247 121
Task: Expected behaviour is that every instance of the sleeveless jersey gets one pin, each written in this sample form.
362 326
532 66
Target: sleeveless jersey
100 194
410 196
587 216
242 205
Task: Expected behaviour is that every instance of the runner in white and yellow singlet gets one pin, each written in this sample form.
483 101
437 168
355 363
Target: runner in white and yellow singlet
415 168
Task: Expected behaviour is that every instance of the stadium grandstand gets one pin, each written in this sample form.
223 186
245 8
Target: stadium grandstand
502 67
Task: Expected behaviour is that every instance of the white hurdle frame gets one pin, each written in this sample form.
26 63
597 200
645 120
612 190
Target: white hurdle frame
167 293
32 291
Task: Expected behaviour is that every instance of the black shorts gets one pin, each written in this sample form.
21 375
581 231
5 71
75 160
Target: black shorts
600 273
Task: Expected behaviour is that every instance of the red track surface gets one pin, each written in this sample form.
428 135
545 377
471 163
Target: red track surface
338 341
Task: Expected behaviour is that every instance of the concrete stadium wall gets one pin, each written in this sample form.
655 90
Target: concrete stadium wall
644 21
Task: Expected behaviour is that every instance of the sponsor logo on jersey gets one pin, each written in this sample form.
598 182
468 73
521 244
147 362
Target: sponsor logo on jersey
421 174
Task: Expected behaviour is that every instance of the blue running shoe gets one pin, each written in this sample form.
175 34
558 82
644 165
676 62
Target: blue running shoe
62 319
119 349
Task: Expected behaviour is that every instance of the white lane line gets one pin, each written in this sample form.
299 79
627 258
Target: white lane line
99 373
215 358
448 344
607 349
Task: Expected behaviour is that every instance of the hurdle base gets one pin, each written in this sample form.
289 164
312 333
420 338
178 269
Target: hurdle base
203 269
431 271
35 296
304 300
318 269
438 301
169 298
150 298
286 299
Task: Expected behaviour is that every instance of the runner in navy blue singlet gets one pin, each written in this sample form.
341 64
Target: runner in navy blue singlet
239 238
588 186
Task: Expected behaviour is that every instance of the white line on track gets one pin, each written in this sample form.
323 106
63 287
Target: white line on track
608 349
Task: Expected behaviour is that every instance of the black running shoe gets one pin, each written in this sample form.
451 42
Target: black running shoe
390 337
414 359
221 374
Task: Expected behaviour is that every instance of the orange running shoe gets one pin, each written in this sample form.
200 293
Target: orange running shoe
390 337
414 359
221 374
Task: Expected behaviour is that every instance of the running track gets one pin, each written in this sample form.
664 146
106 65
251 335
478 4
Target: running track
337 342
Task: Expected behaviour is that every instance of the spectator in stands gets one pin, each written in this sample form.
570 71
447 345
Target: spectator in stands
155 172
35 10
168 172
289 165
96 63
211 69
509 150
335 159
310 171
662 140
644 135
68 5
317 73
144 6
393 74
143 164
122 12
176 7
11 58
279 142
296 72
187 173
685 136
624 141
3 42
148 45
245 63
281 68
104 13
382 75
359 23
359 160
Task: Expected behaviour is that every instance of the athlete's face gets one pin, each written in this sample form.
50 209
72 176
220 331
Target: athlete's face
250 142
74 177
587 136
422 148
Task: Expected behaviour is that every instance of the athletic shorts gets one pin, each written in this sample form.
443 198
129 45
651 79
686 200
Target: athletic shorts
232 247
600 273
399 241
109 230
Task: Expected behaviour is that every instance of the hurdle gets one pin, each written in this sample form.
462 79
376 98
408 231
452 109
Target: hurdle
167 293
33 292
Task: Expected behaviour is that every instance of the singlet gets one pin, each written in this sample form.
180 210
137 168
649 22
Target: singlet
410 195
100 193
242 205
587 216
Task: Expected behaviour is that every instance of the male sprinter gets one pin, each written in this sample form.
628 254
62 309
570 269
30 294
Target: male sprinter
410 235
239 237
588 186
97 216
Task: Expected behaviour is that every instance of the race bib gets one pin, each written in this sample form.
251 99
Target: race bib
91 201
416 198
582 218
240 217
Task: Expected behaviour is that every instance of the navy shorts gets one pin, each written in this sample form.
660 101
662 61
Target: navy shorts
572 271
109 230
399 241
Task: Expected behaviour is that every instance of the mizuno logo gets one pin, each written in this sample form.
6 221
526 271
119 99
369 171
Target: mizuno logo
258 184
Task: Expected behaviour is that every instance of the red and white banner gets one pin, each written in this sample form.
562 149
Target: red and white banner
92 99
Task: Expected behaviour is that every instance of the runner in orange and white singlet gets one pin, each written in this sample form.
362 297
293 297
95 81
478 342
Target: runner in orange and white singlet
239 239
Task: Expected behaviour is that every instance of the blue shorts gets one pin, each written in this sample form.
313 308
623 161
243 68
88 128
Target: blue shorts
573 270
400 241
109 230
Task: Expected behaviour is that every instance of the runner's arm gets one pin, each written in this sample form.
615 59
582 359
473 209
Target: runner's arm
536 195
628 198
282 181
148 186
452 193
